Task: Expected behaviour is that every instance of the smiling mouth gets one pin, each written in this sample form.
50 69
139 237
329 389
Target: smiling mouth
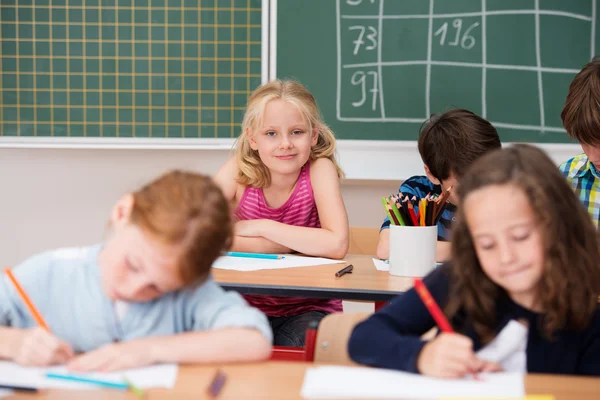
515 271
288 157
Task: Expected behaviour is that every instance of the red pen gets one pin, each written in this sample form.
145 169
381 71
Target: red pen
432 307
436 313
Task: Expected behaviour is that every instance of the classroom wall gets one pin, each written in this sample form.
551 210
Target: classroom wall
61 197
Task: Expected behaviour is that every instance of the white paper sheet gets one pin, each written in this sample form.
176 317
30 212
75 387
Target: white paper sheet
384 265
381 265
255 264
508 348
156 376
359 382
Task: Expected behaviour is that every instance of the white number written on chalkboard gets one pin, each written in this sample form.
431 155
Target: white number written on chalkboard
360 78
359 40
356 2
466 41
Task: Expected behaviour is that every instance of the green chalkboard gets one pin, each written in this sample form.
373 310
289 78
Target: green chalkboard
378 68
127 68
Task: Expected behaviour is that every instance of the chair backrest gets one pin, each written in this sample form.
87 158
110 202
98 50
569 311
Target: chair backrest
363 240
334 331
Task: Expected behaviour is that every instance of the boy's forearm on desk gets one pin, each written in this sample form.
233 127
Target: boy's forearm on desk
223 345
9 339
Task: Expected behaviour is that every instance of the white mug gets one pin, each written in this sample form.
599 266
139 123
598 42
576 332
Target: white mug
412 250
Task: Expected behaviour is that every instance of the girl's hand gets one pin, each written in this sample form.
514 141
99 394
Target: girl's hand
489 366
451 355
250 228
39 347
113 357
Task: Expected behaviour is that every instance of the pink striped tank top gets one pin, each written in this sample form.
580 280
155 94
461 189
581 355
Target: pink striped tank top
299 210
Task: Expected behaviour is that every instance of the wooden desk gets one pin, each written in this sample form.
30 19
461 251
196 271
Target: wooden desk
283 380
364 283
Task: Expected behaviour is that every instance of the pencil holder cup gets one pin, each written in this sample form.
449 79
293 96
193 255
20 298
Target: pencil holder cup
412 250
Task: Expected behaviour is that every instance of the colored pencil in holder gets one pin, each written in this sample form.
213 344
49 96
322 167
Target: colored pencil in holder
394 218
413 215
442 204
395 212
403 212
387 210
404 203
428 214
422 211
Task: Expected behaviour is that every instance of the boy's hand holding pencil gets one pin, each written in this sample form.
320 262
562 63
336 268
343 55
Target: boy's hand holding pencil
405 211
37 346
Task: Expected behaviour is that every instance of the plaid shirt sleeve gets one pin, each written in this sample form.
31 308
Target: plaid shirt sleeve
583 179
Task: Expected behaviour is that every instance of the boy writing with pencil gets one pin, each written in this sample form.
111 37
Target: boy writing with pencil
448 143
581 119
144 296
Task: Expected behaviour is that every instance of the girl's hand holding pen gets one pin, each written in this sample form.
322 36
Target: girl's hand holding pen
450 355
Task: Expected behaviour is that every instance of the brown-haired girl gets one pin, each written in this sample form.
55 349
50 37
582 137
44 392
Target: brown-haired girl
524 266
144 296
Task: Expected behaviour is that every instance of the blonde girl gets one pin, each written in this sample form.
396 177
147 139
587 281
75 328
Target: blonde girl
284 184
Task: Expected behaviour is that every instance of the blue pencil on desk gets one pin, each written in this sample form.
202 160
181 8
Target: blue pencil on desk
255 255
84 379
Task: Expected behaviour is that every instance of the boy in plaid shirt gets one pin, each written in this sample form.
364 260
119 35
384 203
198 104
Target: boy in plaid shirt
581 119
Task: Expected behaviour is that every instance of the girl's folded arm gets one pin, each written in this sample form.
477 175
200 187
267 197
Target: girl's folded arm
332 239
257 245
391 338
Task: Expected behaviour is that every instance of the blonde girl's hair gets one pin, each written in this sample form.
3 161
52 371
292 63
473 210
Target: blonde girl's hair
252 171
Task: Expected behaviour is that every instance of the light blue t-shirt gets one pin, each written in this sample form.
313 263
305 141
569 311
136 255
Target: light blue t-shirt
66 288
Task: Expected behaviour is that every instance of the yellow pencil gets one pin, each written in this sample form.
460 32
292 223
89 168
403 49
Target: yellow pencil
422 210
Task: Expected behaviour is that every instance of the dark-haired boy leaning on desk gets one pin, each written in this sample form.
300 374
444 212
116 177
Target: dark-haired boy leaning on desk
448 143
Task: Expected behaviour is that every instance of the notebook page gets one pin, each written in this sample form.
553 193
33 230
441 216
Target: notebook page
156 376
255 264
332 382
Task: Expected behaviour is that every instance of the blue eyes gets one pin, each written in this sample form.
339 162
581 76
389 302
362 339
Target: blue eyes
273 133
